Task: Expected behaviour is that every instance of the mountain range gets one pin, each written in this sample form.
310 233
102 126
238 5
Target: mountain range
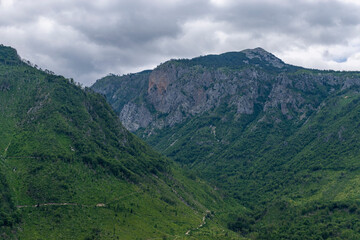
239 145
280 140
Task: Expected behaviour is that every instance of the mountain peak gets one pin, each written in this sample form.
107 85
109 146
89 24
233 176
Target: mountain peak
238 59
8 55
263 55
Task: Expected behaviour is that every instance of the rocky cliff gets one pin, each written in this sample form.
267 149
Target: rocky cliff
179 89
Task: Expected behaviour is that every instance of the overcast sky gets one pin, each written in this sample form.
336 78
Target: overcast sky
86 40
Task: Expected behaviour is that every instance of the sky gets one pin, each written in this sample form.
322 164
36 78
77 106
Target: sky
86 40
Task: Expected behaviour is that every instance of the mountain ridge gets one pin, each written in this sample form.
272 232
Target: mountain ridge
259 53
70 170
282 141
152 87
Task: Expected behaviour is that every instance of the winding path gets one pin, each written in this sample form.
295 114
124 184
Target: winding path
203 222
60 204
75 204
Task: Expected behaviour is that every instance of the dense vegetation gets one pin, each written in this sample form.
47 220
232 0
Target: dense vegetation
296 173
70 170
232 60
289 176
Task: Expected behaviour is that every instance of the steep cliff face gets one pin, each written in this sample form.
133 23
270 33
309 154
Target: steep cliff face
180 89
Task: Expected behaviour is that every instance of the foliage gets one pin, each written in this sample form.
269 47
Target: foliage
291 177
69 169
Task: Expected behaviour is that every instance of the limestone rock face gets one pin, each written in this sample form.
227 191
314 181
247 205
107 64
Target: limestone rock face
135 116
264 56
180 89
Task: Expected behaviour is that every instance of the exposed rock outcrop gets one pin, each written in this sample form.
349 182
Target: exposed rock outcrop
180 89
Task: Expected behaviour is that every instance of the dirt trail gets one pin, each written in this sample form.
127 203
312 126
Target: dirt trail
203 222
60 204
75 204
49 204
7 148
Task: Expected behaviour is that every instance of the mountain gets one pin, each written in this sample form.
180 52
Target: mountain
70 170
281 139
183 88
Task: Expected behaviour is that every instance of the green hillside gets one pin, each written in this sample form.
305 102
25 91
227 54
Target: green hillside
281 140
70 170
290 175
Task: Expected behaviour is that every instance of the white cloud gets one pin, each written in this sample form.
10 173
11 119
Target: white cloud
88 39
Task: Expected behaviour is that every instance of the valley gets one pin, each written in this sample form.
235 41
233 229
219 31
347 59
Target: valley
280 139
239 146
70 170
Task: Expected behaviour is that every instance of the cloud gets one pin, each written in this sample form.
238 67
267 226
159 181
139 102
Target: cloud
86 40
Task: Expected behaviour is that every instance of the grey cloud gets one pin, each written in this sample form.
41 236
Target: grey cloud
130 23
320 22
88 39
